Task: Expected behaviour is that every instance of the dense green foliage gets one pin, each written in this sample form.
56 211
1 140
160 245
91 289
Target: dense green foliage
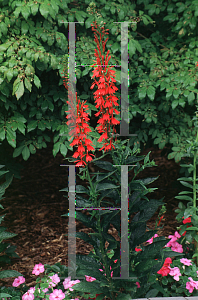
162 69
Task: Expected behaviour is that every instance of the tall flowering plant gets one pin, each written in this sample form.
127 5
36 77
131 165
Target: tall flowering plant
106 185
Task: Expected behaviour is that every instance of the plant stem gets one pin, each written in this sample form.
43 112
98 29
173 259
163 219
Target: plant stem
94 194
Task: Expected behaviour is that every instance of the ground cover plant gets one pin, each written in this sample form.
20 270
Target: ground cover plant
153 258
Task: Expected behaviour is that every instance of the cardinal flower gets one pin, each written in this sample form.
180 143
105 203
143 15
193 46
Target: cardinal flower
104 95
79 129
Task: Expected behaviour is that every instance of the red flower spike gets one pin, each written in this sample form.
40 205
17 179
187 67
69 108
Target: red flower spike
104 95
81 129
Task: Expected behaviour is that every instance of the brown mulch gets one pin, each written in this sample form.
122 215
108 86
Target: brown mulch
34 205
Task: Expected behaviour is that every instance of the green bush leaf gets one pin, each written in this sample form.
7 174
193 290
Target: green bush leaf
28 85
25 11
63 149
11 137
20 90
151 92
26 153
37 81
44 10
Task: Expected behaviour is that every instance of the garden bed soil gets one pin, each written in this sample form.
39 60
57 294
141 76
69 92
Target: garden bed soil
33 206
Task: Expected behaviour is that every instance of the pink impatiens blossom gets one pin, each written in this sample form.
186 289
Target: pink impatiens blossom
29 295
55 279
150 241
18 281
175 272
190 285
89 278
57 295
68 283
177 247
39 268
186 262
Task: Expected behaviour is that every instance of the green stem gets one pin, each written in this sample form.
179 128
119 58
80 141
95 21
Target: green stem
94 195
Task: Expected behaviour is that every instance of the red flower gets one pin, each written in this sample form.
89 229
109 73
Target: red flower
104 98
138 249
165 270
160 220
187 220
79 129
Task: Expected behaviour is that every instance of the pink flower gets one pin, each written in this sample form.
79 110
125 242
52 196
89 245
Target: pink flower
89 278
191 285
68 283
186 262
45 290
175 272
177 247
28 296
57 295
18 281
55 279
138 285
150 241
38 269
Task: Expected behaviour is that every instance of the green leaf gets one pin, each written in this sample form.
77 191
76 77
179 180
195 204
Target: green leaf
132 48
32 125
79 17
44 10
24 27
26 153
176 93
115 47
187 198
9 74
121 15
3 28
54 62
112 9
9 273
151 92
89 21
56 148
105 186
142 92
25 11
145 20
18 151
32 149
138 46
11 137
174 104
20 90
2 134
17 11
21 127
34 8
37 81
28 85
63 149
191 97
